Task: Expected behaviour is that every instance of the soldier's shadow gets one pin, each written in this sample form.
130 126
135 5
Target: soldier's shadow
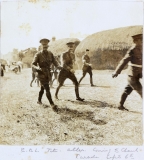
84 85
100 104
70 113
67 114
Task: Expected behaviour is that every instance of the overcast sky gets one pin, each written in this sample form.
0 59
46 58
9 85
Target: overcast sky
24 23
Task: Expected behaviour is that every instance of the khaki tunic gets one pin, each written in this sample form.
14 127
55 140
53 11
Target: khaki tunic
44 60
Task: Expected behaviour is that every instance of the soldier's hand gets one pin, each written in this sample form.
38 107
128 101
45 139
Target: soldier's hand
114 75
38 68
72 71
90 64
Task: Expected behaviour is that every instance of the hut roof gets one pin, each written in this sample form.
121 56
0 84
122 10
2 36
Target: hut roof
59 46
115 39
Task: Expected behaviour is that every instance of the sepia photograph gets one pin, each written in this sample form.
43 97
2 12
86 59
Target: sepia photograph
71 73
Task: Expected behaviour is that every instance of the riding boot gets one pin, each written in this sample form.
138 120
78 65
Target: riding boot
77 94
121 103
40 97
56 93
91 81
48 95
80 80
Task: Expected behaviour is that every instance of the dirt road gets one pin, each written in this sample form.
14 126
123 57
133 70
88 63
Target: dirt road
97 121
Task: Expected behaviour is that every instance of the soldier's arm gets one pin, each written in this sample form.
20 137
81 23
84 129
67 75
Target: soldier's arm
123 63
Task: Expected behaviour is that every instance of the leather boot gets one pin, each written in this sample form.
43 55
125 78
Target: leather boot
77 94
123 99
40 97
91 81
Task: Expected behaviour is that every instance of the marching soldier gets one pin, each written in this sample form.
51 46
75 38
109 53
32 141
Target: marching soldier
67 61
86 67
44 59
134 57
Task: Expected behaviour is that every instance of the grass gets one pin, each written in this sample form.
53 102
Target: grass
97 121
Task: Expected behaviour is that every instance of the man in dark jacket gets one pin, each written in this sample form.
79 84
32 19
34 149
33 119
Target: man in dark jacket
67 61
42 63
134 57
86 67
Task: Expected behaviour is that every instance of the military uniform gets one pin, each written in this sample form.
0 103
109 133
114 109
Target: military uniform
44 59
67 61
134 60
86 68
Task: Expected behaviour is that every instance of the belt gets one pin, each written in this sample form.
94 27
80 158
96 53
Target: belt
134 65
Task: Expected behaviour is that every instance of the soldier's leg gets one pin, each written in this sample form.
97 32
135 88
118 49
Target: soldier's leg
61 78
33 77
41 92
73 78
84 73
91 79
135 84
48 94
128 89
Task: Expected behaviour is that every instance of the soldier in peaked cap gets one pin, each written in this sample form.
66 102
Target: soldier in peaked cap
42 62
86 67
134 60
67 61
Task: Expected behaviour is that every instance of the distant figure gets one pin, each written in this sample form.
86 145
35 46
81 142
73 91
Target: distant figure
34 77
15 67
8 64
2 68
134 57
86 67
67 60
20 65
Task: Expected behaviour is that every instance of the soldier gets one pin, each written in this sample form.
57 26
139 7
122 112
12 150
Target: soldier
86 67
44 59
134 57
67 60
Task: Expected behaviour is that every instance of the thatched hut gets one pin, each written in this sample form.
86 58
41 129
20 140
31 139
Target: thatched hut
59 46
107 47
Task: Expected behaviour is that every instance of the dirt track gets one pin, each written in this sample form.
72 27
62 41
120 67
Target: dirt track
97 121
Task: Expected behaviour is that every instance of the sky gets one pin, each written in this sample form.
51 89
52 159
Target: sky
25 22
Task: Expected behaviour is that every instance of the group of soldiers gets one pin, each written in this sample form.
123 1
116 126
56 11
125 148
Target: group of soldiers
44 59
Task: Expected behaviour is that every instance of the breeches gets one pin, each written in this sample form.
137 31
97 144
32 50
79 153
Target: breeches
88 70
133 84
64 74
